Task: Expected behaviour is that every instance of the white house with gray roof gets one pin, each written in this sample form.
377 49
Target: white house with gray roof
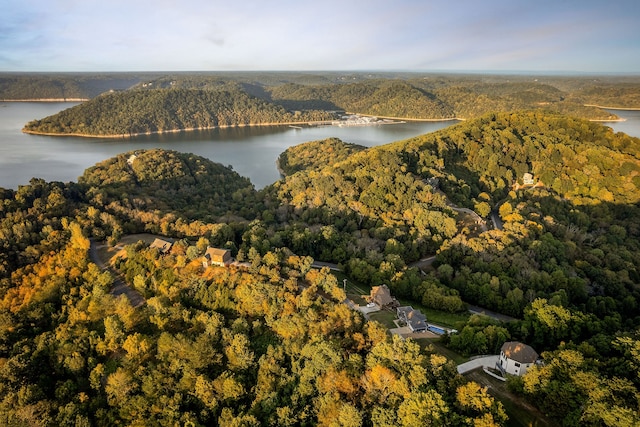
516 358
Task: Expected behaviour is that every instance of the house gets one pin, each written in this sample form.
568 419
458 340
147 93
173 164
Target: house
215 256
164 246
527 179
415 320
381 295
516 358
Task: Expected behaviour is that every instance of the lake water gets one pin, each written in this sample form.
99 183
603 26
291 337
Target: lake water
252 152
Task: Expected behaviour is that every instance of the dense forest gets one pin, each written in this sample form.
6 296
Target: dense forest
315 155
146 111
271 344
270 341
126 104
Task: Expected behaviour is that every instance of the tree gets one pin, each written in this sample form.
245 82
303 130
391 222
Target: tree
422 409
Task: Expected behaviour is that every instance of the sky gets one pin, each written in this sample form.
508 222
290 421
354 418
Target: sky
584 36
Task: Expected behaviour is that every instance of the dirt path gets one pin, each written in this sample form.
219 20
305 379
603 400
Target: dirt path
119 286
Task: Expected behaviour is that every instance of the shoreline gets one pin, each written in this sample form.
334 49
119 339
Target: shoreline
46 100
160 132
133 135
613 108
449 119
607 120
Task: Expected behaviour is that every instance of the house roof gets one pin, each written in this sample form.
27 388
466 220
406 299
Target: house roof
381 295
417 324
519 352
215 254
163 245
414 318
404 311
416 315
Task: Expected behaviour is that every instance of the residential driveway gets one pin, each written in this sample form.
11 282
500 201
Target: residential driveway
366 310
404 330
488 361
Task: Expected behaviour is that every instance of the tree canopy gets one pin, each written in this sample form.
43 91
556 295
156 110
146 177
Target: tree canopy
270 341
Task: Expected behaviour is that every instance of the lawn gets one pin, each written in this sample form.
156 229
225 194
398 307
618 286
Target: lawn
440 349
442 318
385 317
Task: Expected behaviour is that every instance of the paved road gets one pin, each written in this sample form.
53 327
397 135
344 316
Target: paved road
488 361
498 316
118 287
424 262
329 265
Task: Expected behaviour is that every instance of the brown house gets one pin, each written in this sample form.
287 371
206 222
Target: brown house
215 256
164 246
381 295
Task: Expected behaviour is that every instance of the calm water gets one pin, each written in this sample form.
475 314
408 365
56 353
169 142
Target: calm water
251 152
631 125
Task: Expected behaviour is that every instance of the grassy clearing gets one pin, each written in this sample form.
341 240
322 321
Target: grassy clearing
440 349
443 318
385 317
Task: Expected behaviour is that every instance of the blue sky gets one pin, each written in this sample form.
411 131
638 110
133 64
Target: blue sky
417 35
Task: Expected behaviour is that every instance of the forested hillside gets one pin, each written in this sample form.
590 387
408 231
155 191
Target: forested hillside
580 160
159 110
271 343
426 99
386 98
165 191
64 85
315 155
183 101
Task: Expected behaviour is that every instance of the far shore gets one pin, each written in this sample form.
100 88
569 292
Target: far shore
410 119
46 100
159 132
133 135
613 108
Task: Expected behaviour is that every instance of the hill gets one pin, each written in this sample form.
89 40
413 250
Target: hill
140 111
386 98
159 190
578 159
315 155
64 86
